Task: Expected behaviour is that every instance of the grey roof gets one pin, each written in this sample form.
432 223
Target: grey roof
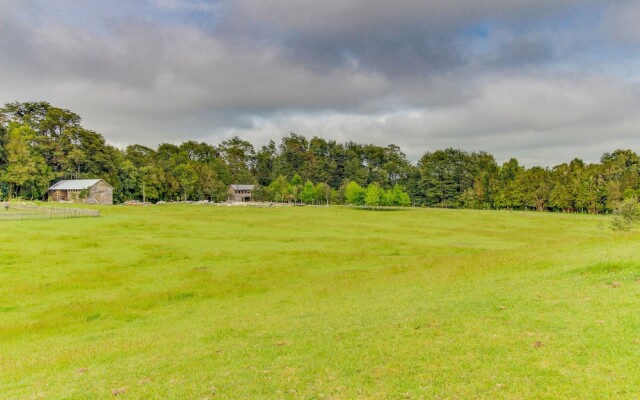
75 184
243 187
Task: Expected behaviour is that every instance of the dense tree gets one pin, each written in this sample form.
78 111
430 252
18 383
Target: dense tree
396 165
296 187
200 152
40 143
292 158
398 197
375 196
187 179
60 147
140 155
446 175
354 194
150 182
508 194
208 186
308 194
20 164
322 192
535 188
265 162
280 189
239 156
321 166
129 180
354 168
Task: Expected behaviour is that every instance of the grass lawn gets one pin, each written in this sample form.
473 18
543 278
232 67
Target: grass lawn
205 302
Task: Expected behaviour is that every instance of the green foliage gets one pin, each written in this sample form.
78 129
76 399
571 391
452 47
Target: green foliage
84 193
209 185
265 162
374 196
322 192
535 186
355 194
129 180
296 187
626 215
280 189
58 148
239 156
54 145
187 179
150 182
308 194
292 157
20 162
398 197
446 174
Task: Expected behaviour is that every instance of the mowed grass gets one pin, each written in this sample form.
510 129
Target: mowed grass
205 302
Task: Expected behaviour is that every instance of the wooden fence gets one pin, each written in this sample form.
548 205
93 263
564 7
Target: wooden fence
18 212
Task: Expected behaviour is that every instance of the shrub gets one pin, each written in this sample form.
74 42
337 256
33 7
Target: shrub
626 215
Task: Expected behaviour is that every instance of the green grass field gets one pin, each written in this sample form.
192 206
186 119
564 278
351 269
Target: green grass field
205 302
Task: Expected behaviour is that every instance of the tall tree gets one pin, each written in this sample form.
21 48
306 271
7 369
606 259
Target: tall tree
308 194
355 194
187 179
20 163
265 164
536 187
445 175
280 189
240 158
321 165
292 158
374 196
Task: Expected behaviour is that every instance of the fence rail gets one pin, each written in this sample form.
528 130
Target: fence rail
18 212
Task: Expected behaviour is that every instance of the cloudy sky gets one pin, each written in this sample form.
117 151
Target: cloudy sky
542 80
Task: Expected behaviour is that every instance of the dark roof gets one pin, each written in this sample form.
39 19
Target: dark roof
242 187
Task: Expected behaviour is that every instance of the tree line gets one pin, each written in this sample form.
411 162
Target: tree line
40 144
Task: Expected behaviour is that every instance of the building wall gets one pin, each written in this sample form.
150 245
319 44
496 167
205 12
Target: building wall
57 195
65 195
100 193
239 195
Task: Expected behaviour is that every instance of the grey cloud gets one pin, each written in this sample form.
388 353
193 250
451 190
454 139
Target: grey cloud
408 37
339 17
205 6
489 75
523 52
185 69
539 120
621 22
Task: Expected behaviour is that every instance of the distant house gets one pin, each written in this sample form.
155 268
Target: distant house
89 191
240 192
